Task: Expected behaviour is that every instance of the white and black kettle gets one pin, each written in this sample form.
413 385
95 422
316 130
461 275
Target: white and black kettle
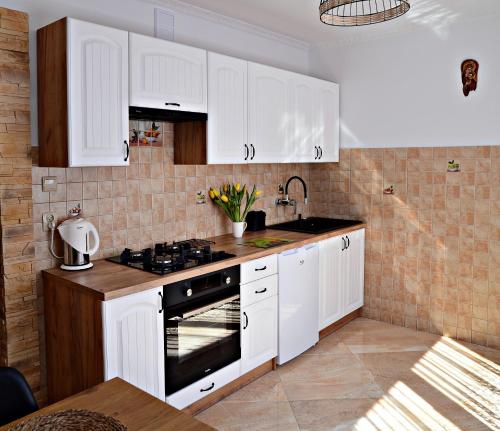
76 234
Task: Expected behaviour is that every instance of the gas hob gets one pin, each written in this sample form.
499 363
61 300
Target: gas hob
166 258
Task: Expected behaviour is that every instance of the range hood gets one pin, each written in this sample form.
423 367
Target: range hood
171 116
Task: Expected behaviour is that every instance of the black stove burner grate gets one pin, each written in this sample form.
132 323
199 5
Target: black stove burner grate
165 258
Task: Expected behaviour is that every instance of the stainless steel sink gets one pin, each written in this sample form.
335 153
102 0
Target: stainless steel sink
314 225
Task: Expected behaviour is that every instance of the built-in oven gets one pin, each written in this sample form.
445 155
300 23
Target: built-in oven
202 326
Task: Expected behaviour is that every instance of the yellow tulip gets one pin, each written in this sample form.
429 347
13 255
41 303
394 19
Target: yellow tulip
258 193
212 194
224 198
237 186
226 187
216 193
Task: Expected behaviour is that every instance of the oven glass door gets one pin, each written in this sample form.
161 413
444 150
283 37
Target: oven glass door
200 341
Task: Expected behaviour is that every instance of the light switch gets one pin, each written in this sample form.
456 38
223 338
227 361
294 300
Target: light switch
49 184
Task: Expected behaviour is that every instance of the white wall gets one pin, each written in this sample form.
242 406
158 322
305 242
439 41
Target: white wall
405 90
219 35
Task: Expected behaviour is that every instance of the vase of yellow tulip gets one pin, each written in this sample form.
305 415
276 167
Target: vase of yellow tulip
230 197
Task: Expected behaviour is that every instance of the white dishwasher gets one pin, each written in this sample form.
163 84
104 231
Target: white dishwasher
298 301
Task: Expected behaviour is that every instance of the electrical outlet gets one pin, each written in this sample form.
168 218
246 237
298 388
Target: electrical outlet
47 218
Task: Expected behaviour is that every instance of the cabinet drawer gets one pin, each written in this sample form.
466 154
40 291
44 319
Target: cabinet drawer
259 268
206 386
258 290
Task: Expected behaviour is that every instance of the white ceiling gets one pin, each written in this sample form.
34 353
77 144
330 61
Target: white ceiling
300 18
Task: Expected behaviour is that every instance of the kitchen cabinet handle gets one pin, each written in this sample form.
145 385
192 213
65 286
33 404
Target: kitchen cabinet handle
348 242
246 320
261 269
261 291
317 153
247 152
209 388
253 151
343 244
320 153
161 299
173 104
128 150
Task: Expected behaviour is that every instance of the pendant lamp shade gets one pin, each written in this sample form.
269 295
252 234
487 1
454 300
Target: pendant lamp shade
347 13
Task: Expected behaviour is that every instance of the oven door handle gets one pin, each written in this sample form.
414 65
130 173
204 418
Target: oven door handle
209 307
209 388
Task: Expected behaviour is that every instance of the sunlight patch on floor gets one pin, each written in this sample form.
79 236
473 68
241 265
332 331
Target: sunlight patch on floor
463 376
403 409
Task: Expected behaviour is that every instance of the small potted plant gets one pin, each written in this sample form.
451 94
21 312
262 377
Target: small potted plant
230 197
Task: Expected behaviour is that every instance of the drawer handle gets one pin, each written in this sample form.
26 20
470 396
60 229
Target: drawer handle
261 291
261 269
246 320
173 104
209 388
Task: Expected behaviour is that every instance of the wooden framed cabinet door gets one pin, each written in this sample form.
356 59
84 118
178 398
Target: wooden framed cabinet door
134 342
331 306
259 333
270 114
97 68
227 110
167 75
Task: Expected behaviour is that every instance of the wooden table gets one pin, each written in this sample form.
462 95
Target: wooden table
134 408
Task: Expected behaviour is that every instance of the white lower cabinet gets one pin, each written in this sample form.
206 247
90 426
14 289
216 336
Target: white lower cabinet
206 386
259 333
133 341
341 276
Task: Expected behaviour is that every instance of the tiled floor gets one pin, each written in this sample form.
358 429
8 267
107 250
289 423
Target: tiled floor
372 376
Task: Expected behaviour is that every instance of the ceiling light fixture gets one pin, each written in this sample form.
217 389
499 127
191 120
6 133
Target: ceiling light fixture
347 13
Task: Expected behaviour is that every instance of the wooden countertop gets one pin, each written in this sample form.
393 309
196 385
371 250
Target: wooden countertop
134 408
108 280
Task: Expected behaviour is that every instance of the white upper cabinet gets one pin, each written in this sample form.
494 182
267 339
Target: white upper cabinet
227 108
327 129
97 69
167 75
133 341
269 114
304 134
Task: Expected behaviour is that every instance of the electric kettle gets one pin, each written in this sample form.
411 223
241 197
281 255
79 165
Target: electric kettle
76 233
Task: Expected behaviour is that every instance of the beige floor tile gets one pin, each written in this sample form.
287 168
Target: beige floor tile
364 337
266 388
372 376
330 415
255 416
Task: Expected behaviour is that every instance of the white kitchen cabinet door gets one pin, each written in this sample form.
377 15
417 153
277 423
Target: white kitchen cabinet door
270 114
331 306
327 128
97 95
259 333
227 110
353 259
167 75
133 341
304 136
